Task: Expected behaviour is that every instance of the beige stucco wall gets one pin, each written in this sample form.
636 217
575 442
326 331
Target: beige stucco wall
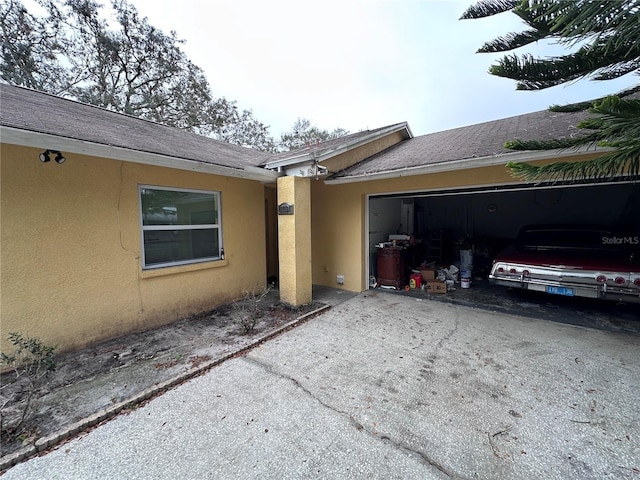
294 241
338 217
70 249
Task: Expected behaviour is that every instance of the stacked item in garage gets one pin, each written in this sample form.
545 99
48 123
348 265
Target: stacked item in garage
431 280
466 268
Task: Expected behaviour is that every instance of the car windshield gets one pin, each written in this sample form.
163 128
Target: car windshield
554 238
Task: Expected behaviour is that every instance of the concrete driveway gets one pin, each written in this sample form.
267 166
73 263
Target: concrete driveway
384 386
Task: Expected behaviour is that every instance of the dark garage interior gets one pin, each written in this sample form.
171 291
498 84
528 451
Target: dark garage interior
440 224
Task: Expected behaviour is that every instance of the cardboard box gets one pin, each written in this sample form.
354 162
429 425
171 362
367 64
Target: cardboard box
436 286
427 275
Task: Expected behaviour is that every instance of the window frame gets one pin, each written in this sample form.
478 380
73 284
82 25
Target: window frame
190 227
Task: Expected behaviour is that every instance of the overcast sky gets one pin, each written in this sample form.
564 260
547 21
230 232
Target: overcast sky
357 64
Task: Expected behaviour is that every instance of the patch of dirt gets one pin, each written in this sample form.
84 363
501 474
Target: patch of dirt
110 372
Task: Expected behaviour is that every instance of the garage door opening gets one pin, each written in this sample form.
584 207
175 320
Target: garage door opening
441 224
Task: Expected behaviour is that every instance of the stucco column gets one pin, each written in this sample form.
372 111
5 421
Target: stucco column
294 241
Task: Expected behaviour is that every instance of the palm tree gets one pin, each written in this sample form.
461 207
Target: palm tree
606 34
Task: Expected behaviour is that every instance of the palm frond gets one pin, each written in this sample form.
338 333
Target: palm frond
628 91
618 70
554 144
511 41
616 125
582 106
619 119
590 60
621 163
615 106
605 36
535 15
571 107
487 8
577 20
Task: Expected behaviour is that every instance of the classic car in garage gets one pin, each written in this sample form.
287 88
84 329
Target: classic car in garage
579 261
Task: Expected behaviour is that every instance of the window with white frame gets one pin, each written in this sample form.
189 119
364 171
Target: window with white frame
179 226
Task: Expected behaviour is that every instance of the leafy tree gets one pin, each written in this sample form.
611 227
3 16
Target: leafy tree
242 129
125 65
604 36
302 133
30 50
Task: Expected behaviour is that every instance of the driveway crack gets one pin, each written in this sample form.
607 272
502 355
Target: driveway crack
452 332
422 455
357 425
434 356
271 370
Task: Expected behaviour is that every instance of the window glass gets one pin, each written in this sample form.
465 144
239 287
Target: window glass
169 207
171 246
179 226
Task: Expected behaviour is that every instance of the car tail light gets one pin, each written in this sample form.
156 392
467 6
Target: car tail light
526 273
601 279
620 281
513 271
636 282
500 269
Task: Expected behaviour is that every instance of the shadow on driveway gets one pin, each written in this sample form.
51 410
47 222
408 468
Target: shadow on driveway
586 312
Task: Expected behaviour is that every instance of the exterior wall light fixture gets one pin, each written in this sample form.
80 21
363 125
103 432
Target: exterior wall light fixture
46 156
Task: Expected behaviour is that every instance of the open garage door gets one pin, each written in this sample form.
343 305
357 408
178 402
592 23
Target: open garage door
442 223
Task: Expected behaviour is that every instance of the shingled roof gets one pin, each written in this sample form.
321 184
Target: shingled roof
480 141
32 111
26 110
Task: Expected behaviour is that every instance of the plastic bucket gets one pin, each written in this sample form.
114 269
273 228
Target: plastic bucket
466 258
465 283
465 273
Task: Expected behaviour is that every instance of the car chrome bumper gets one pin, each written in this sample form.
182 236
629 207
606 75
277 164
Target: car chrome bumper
579 290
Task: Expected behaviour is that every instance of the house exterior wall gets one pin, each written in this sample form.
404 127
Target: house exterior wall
71 271
339 217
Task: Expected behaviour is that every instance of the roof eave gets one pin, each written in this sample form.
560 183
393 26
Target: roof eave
310 156
465 164
27 138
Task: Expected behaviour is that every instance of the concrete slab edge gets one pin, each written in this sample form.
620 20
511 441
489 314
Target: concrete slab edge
130 403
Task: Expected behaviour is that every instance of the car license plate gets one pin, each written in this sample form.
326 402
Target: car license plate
560 290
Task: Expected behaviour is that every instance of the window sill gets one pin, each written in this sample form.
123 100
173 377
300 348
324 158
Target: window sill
194 267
